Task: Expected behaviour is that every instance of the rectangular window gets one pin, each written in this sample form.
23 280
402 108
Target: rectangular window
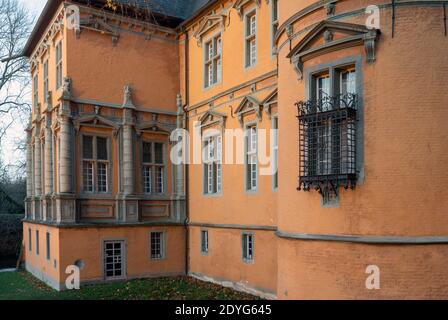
251 158
153 167
59 65
30 240
157 245
48 245
248 247
95 164
275 151
251 39
213 61
204 241
36 90
327 124
213 165
275 20
46 88
37 242
114 262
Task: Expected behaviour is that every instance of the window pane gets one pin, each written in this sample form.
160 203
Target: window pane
147 179
147 152
102 177
101 145
88 176
158 153
156 245
87 147
159 180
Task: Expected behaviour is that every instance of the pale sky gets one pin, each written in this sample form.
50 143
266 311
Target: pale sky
16 132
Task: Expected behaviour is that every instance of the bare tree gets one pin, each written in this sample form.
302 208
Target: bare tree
15 27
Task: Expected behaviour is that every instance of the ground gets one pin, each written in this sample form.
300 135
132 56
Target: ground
22 286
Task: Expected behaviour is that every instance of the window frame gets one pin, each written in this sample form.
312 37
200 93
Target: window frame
204 238
58 49
48 245
248 187
217 177
37 242
94 161
30 240
274 22
245 247
249 61
46 81
162 244
211 61
154 165
36 90
275 154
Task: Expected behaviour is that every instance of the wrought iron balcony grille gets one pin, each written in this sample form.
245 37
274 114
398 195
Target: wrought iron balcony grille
327 129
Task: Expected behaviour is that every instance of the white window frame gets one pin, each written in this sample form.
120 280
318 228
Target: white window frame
212 149
46 81
37 242
204 237
161 244
213 61
93 165
275 152
247 247
47 245
123 258
157 180
251 152
36 90
250 38
59 65
274 23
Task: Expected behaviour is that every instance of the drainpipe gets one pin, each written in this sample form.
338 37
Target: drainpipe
187 171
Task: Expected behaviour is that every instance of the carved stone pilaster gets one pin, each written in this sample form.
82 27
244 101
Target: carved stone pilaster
128 133
179 181
29 163
65 123
48 155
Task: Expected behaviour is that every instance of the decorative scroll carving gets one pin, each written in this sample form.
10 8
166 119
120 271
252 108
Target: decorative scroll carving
209 23
212 118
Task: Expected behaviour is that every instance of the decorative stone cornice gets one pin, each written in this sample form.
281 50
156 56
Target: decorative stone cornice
210 22
95 120
355 35
270 100
248 105
239 6
212 118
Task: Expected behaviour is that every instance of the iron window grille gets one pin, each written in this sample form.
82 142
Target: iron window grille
327 129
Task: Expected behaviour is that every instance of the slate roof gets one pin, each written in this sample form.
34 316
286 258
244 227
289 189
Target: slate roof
182 9
176 11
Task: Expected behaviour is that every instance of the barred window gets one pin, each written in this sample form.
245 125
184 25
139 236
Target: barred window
213 165
248 246
59 65
213 61
251 38
204 241
157 245
251 158
153 167
95 164
328 133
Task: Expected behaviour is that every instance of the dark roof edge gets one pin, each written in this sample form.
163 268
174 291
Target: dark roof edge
196 14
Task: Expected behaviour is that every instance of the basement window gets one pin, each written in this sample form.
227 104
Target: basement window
157 245
204 242
248 247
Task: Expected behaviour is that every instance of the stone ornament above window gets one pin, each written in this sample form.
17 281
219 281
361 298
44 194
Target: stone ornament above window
212 118
270 101
353 35
239 6
210 22
247 106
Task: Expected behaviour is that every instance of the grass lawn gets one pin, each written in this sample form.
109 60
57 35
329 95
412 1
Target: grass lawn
22 286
